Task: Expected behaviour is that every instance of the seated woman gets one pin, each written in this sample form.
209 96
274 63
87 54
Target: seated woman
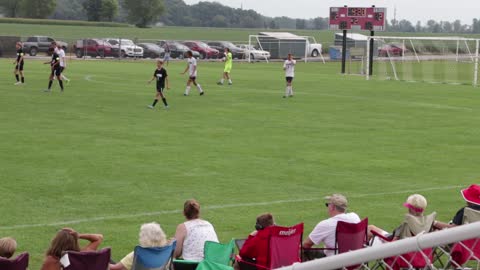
8 245
255 248
67 240
151 235
193 233
414 221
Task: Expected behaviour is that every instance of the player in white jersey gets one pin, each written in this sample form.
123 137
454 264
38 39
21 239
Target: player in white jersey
63 61
289 67
192 74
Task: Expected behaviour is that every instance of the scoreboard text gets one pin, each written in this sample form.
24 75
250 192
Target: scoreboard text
358 18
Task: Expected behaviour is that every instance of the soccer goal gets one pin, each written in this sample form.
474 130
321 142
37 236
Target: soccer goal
449 60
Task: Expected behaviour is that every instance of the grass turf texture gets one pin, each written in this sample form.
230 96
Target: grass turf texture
96 153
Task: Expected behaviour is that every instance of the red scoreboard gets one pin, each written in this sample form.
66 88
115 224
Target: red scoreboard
357 18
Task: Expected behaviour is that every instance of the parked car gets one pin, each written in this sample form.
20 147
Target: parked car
254 53
221 45
126 47
177 49
94 48
204 50
37 44
152 50
314 49
392 49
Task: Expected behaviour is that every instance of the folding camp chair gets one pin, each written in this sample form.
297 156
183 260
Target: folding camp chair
239 243
19 263
153 258
284 245
91 260
410 227
219 253
348 237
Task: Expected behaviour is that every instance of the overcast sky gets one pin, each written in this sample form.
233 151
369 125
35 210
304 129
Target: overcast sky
412 10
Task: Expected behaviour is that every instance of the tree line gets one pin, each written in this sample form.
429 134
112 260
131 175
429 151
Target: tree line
144 13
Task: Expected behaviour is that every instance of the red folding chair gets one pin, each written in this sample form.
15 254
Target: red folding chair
284 244
415 259
464 251
19 263
348 237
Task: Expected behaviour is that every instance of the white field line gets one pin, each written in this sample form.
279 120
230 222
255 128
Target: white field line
212 207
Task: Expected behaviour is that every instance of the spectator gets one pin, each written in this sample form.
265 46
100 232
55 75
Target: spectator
467 214
67 240
151 235
337 205
8 245
414 222
255 247
192 234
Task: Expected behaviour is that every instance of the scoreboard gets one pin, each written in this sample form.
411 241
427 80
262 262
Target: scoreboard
358 18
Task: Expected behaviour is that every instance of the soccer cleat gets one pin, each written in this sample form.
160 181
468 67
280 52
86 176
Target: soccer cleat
68 81
47 90
219 83
17 83
201 94
185 94
229 83
150 106
166 107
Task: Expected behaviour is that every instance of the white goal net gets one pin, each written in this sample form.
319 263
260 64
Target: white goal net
450 60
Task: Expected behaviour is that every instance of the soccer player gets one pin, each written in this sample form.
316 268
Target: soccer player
55 67
289 67
228 67
19 64
160 74
63 62
192 74
166 57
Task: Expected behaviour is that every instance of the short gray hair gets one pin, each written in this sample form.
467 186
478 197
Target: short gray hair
152 235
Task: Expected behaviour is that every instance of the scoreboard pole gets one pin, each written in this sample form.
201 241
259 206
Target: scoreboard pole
370 66
344 50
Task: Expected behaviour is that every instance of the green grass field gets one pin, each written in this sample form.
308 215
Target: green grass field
96 159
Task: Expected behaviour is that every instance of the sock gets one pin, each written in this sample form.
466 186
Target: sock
61 84
291 90
187 90
23 79
65 78
16 77
165 102
287 90
50 84
199 88
221 81
230 81
154 102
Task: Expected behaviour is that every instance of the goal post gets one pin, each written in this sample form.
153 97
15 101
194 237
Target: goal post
450 60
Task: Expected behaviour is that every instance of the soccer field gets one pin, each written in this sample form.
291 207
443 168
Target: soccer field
95 158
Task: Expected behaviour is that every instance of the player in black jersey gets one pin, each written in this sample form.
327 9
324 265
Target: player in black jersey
161 76
19 64
55 67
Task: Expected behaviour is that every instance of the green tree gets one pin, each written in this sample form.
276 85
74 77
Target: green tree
93 9
10 8
70 10
143 12
38 9
109 10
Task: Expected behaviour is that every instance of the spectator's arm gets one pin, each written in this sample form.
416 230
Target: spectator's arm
95 241
180 235
117 266
308 243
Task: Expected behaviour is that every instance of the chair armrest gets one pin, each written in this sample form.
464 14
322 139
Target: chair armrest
381 236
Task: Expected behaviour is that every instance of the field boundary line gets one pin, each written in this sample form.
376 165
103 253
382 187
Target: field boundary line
213 207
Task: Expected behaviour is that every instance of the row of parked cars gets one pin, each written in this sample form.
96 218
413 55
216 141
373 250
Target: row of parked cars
114 47
177 49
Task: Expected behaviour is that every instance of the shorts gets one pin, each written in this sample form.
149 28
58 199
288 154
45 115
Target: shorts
62 69
57 71
227 69
19 66
160 89
289 79
193 78
166 57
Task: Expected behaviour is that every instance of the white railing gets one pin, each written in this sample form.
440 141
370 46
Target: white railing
420 242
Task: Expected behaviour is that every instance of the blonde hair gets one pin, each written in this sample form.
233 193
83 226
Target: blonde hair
152 235
8 245
418 202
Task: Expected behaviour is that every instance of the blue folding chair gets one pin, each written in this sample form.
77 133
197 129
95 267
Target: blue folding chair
153 258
